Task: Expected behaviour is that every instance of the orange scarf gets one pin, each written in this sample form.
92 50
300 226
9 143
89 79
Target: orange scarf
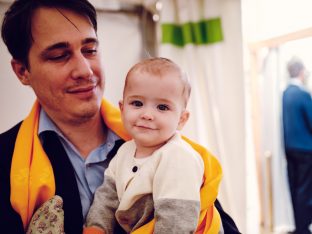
32 178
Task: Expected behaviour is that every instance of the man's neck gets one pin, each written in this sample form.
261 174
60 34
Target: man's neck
85 136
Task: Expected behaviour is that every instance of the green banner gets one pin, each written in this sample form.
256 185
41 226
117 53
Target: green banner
199 33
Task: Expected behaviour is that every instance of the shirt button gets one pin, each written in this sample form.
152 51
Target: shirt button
134 169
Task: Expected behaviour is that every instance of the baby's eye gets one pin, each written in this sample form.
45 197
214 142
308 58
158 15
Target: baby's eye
136 103
163 107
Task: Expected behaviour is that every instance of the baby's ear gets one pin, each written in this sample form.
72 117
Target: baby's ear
120 105
183 119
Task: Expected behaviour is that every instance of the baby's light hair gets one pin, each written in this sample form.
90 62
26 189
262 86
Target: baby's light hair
159 66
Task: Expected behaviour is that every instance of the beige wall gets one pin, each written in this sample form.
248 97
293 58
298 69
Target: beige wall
15 100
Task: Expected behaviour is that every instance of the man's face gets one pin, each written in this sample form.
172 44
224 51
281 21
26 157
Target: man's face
64 65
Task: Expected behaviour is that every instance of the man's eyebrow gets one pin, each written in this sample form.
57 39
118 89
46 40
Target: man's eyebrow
60 45
90 40
65 45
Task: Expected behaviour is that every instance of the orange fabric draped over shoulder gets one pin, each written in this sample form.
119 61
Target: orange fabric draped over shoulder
32 173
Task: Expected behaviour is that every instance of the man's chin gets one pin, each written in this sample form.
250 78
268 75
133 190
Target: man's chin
86 114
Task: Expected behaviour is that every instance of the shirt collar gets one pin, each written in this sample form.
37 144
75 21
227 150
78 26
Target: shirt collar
296 81
46 124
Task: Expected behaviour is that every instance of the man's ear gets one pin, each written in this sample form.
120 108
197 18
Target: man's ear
21 71
183 119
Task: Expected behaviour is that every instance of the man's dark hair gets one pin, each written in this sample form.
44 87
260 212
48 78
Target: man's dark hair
16 25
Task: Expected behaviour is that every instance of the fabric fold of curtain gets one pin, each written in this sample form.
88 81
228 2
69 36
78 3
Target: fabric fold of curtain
205 31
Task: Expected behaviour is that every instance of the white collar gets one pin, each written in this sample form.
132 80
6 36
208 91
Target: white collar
296 81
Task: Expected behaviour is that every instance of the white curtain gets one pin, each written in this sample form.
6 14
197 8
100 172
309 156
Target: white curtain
272 141
193 35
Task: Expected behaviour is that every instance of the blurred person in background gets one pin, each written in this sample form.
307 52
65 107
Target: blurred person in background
297 125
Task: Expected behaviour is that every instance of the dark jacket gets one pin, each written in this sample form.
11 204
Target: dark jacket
297 119
65 182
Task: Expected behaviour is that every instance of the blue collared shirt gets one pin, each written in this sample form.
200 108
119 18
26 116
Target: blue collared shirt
89 171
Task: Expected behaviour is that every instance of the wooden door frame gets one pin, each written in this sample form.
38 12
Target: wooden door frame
254 50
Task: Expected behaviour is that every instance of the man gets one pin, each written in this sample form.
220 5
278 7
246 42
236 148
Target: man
297 124
64 145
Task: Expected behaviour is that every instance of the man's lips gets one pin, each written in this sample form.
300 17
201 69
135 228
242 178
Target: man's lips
81 89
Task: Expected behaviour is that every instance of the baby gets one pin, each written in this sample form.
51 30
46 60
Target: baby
157 175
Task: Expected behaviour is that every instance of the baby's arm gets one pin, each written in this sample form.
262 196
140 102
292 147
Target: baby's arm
101 216
177 184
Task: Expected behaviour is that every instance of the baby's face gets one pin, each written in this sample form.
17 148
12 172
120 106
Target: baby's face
153 107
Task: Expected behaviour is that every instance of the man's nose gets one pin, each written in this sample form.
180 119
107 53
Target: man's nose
81 67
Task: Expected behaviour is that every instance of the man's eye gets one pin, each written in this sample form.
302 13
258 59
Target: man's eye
163 107
90 51
60 57
136 103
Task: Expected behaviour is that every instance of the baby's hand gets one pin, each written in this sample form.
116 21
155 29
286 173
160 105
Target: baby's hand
93 230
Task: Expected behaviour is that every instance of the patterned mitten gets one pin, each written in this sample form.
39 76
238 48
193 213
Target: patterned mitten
48 218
